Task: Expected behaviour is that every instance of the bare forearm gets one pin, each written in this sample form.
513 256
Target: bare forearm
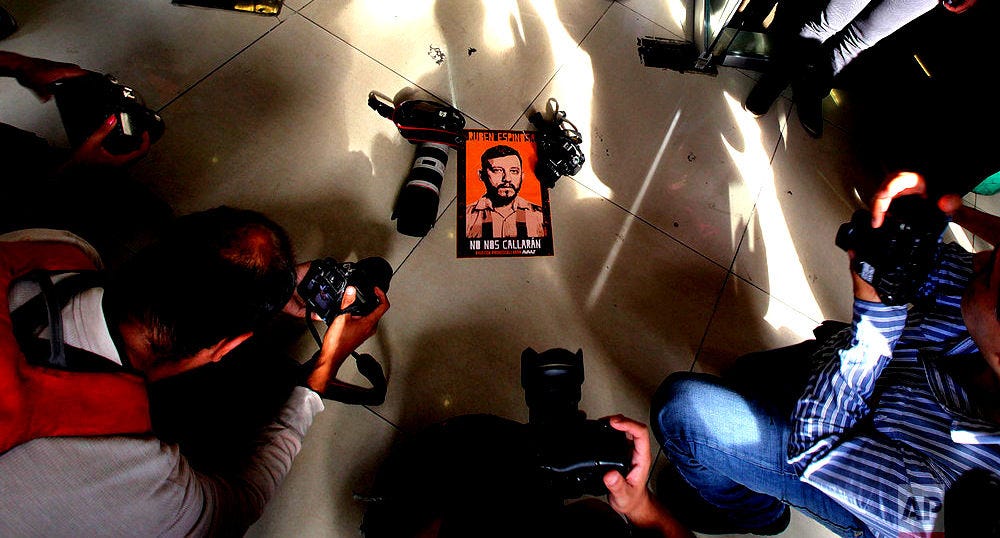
11 64
984 225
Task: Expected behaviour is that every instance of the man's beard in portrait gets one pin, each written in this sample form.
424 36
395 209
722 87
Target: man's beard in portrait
499 199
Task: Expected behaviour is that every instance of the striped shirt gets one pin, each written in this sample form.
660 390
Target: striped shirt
886 424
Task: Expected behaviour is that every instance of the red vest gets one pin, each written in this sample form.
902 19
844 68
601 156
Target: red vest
37 401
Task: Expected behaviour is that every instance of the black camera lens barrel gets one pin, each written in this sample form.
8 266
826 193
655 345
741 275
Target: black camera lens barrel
377 273
417 206
552 383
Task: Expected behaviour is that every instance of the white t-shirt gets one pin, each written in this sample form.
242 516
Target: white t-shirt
135 485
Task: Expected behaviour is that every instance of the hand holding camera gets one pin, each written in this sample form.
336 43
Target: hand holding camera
574 455
896 257
628 495
86 102
350 298
344 334
92 152
37 74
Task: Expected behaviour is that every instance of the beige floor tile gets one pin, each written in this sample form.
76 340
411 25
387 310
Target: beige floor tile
285 128
486 58
339 459
458 326
690 158
789 249
672 16
158 48
680 184
296 4
748 320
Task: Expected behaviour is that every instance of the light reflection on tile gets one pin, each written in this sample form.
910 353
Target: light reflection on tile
679 185
462 50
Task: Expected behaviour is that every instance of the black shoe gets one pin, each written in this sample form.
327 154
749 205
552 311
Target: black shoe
7 24
809 104
765 92
698 515
812 85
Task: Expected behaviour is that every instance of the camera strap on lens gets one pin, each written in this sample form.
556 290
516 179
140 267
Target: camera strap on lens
559 152
378 103
345 392
559 118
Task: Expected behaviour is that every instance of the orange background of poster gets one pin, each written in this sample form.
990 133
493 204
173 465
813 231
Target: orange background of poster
531 189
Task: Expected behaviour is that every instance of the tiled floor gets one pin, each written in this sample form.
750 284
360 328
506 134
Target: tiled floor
694 233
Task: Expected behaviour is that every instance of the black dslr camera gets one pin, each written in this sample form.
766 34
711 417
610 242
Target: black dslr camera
559 152
434 128
85 101
572 453
323 286
897 257
322 289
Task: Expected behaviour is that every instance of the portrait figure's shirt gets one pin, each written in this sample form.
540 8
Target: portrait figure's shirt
526 220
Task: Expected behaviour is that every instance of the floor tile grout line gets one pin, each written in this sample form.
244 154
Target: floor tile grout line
746 229
223 64
650 224
387 421
394 273
730 273
391 70
715 310
555 73
651 21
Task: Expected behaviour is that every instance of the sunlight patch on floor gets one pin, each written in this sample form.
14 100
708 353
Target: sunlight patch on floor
609 262
784 268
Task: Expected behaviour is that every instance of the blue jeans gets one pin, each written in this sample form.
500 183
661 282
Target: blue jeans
728 439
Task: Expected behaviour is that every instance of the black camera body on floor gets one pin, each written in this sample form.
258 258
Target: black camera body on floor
323 286
559 152
84 102
434 128
897 257
572 453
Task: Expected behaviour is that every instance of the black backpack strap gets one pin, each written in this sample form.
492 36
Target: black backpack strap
45 310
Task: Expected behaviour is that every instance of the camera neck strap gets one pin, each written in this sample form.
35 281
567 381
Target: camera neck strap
345 392
378 105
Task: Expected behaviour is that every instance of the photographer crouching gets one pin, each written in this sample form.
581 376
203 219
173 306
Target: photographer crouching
80 349
866 428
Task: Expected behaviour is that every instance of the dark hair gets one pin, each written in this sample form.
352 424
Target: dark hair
215 274
971 503
498 151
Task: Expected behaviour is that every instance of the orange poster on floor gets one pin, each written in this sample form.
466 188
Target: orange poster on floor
503 210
